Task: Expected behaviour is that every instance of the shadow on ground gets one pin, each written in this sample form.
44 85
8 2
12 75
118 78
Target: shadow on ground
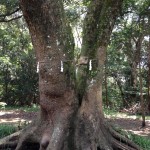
9 117
133 125
129 124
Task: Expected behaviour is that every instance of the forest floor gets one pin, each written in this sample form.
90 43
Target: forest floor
127 122
131 123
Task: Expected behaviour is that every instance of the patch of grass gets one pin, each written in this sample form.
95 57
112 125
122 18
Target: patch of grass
141 141
112 113
6 130
108 111
33 108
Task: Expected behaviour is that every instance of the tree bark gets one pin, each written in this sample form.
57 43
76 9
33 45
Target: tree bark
149 81
141 97
133 54
118 81
106 84
71 116
148 63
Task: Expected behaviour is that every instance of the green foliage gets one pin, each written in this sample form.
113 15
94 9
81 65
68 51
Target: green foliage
143 142
110 112
74 11
18 77
33 108
6 130
122 54
114 113
7 7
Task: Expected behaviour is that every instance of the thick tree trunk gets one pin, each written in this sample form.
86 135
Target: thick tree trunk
148 101
148 63
70 118
138 60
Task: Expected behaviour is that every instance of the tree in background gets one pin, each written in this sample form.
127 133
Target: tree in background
128 42
148 61
18 77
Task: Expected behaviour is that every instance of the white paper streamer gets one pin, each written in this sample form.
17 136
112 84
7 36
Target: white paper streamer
62 67
90 65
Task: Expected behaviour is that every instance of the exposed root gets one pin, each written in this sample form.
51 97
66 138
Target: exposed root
70 128
8 145
29 139
121 146
44 142
122 142
10 141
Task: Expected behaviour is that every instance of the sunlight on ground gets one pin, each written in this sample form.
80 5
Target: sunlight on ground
4 113
129 123
16 120
123 115
143 131
5 118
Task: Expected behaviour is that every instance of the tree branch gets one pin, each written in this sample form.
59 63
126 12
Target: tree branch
9 13
3 16
12 19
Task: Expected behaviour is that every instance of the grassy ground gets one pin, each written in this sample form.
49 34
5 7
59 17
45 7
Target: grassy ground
7 128
143 142
33 108
109 113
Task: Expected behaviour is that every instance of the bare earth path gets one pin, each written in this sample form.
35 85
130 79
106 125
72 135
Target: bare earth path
133 125
16 116
130 124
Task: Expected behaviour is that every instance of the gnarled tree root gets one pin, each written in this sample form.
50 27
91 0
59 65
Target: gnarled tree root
122 142
28 142
10 141
72 128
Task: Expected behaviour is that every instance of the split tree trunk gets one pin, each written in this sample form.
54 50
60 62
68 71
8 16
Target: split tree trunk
71 116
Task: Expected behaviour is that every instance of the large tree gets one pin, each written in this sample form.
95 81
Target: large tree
71 116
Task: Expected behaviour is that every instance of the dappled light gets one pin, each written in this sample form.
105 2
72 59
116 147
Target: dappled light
16 117
129 123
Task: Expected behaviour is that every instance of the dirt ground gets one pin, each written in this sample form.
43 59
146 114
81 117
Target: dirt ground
16 117
129 124
133 125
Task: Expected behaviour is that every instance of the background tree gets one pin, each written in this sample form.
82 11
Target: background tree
148 62
18 77
128 40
